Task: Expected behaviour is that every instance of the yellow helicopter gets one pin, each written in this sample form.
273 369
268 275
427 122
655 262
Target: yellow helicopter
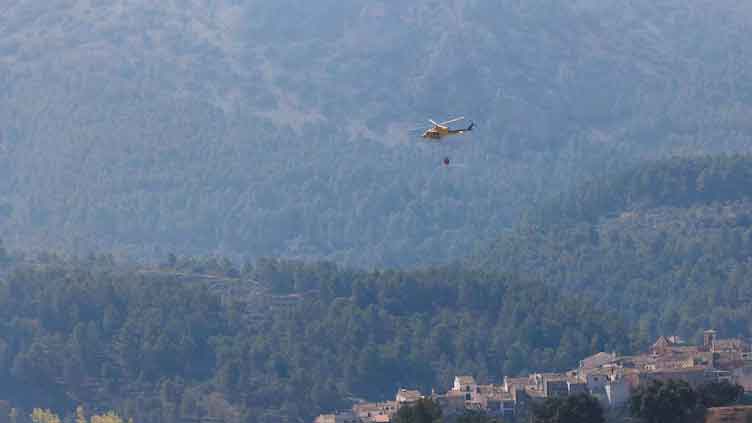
441 130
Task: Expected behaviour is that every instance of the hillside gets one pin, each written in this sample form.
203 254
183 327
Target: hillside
668 244
278 128
164 346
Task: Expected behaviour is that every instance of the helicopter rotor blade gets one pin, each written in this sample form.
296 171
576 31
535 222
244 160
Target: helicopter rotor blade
452 120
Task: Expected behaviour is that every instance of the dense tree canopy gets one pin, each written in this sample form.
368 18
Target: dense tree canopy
581 408
273 338
424 411
667 244
471 416
278 127
676 401
285 338
719 394
666 402
676 183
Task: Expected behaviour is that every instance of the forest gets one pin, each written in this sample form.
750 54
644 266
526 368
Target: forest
216 210
274 339
158 348
667 243
282 128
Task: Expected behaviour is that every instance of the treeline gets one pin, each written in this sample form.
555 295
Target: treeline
158 347
89 331
678 182
667 245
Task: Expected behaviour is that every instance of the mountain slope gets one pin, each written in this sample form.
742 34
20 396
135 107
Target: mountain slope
279 127
667 243
162 346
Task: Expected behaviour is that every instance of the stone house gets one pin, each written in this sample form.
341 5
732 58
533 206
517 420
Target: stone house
732 345
597 360
501 404
371 412
555 388
596 380
466 385
407 397
339 417
617 392
514 383
743 376
576 387
451 403
694 376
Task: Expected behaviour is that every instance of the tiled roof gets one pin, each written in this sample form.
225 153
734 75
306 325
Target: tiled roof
452 394
490 389
597 360
729 344
517 381
680 370
502 396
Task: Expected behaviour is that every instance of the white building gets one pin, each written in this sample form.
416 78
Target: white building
339 417
466 385
407 397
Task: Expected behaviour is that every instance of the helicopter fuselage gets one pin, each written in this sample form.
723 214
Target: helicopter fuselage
440 130
438 133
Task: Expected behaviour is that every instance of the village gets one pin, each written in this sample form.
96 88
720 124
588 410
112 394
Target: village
607 376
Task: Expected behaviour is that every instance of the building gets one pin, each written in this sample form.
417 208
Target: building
597 360
708 338
339 417
466 385
500 404
606 376
407 397
576 387
451 403
555 388
737 414
617 392
743 376
375 412
596 380
694 376
735 345
514 383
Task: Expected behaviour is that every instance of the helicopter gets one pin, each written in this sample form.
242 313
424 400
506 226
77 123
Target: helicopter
441 130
